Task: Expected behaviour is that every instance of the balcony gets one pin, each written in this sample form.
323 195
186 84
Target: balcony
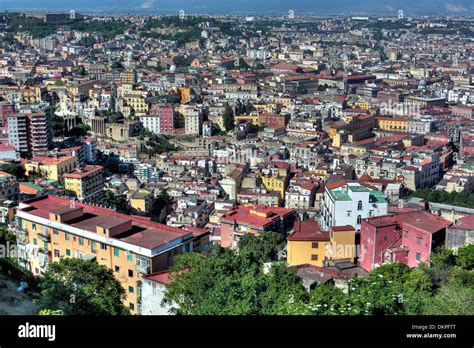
44 236
21 237
142 266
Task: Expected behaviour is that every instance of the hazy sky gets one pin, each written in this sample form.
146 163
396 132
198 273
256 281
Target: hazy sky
246 6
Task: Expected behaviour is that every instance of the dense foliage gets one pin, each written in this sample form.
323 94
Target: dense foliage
452 198
38 28
230 282
15 169
79 287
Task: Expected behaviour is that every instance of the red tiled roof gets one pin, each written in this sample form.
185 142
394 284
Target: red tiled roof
160 277
81 173
243 215
420 220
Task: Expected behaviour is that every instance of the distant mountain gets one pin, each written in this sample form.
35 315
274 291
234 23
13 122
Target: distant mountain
411 7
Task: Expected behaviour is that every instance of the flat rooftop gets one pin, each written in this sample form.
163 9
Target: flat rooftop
144 233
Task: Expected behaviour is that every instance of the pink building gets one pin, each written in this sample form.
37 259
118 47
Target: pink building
408 238
167 117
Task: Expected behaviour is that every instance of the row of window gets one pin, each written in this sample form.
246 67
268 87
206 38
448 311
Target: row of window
93 245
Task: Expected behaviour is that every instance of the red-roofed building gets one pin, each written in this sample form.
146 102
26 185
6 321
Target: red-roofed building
85 182
254 219
408 238
308 244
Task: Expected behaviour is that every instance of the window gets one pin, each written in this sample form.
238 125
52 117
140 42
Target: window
359 219
359 205
46 245
66 235
187 248
129 256
68 252
418 257
116 252
103 246
131 290
314 257
56 232
35 241
56 253
93 247
130 273
418 240
117 269
132 306
81 241
33 227
315 245
348 213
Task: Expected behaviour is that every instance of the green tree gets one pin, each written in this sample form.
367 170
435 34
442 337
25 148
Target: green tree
6 236
230 283
79 287
15 169
465 257
264 247
391 289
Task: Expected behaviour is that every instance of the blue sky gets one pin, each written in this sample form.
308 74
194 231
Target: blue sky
245 6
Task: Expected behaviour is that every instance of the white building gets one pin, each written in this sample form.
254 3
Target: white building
347 203
151 123
153 293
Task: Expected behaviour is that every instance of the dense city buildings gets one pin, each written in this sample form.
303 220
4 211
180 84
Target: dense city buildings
333 146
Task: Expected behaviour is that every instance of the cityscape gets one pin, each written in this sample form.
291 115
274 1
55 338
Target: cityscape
245 159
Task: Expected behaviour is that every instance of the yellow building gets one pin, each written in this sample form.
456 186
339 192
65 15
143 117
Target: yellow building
350 148
185 93
49 228
252 118
86 182
51 168
137 103
392 123
309 245
358 127
276 178
31 95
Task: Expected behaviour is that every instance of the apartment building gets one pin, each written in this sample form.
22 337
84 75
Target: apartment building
254 219
348 202
51 168
308 244
8 187
86 182
30 132
408 238
166 115
424 172
152 123
49 228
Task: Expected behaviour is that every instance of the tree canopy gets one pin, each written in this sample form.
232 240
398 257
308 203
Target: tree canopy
80 287
229 283
228 118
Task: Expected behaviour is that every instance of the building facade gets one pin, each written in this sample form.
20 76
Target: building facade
49 228
348 203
